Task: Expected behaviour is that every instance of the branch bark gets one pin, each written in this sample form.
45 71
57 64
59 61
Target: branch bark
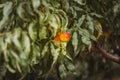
108 55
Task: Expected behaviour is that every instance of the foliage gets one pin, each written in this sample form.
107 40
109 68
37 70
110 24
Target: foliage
28 29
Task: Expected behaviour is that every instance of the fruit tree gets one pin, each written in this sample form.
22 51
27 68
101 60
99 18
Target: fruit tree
58 39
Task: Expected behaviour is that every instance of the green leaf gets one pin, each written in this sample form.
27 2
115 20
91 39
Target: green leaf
67 5
41 18
16 36
35 54
10 69
21 11
63 71
55 53
64 50
43 33
86 37
97 15
25 43
45 3
75 41
64 19
32 30
2 5
67 55
85 32
70 66
78 8
54 21
90 24
81 20
44 50
86 41
36 4
23 56
1 44
3 23
5 52
7 9
18 67
15 55
81 2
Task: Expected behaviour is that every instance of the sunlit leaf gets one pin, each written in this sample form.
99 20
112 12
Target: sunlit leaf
5 18
2 5
21 11
97 15
3 23
32 29
7 9
67 55
26 42
16 37
55 53
36 3
10 69
64 19
54 21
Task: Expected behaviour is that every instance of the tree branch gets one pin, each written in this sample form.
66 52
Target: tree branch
108 55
